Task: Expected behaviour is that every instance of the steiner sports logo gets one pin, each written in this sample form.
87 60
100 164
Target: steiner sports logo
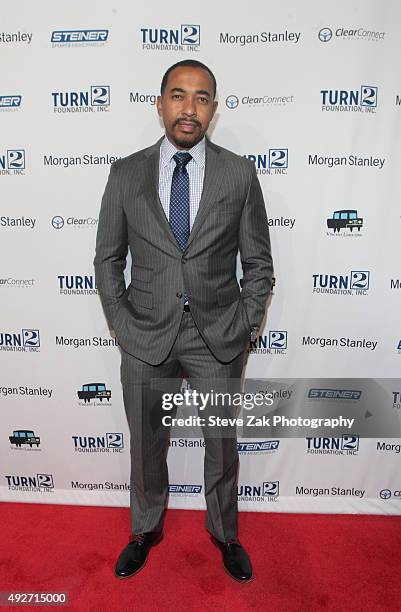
78 38
40 483
357 282
256 448
185 37
184 490
28 340
346 445
12 162
268 491
335 394
275 343
10 102
359 100
273 162
94 99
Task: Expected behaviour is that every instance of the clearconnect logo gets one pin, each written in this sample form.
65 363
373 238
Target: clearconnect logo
325 34
386 494
232 101
57 222
346 33
77 222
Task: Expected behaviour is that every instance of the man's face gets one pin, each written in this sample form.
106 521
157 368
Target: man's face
187 105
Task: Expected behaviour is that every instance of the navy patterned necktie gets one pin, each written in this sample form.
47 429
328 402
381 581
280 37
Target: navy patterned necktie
179 199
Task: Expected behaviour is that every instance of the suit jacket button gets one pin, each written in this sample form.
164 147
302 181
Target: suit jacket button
179 294
183 260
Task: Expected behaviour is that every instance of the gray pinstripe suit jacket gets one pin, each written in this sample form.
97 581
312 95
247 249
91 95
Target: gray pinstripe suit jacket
146 315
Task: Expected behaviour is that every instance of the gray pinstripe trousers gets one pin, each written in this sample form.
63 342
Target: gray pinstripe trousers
149 474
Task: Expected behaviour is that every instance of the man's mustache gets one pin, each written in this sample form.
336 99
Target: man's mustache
192 121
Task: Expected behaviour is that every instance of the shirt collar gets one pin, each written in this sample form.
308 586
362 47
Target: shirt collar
167 150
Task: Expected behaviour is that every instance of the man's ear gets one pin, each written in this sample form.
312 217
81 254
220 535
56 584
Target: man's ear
215 103
159 105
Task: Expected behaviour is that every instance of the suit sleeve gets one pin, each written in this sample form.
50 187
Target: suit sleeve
111 248
255 252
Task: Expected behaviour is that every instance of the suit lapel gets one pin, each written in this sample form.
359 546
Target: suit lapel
214 169
151 189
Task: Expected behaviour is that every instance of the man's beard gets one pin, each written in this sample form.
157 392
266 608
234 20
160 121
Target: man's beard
188 143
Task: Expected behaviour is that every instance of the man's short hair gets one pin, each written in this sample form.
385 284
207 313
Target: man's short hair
192 64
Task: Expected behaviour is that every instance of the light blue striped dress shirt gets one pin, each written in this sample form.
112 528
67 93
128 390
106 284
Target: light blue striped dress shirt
196 172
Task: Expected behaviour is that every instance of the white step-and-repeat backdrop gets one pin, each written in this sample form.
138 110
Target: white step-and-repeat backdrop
310 91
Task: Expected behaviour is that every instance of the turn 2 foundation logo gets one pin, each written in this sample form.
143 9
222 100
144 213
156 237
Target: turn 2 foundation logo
184 37
93 99
275 342
107 443
347 445
33 483
273 162
355 283
12 162
263 492
362 99
26 340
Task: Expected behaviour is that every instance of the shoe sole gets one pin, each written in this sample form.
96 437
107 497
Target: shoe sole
237 579
157 541
134 573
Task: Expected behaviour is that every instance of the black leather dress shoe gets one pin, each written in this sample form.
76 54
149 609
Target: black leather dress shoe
235 560
134 556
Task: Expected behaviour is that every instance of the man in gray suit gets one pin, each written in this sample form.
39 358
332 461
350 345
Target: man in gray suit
184 207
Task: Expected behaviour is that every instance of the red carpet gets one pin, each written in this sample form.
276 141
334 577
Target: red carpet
301 562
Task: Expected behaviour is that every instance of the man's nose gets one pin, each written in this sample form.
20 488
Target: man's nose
189 106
